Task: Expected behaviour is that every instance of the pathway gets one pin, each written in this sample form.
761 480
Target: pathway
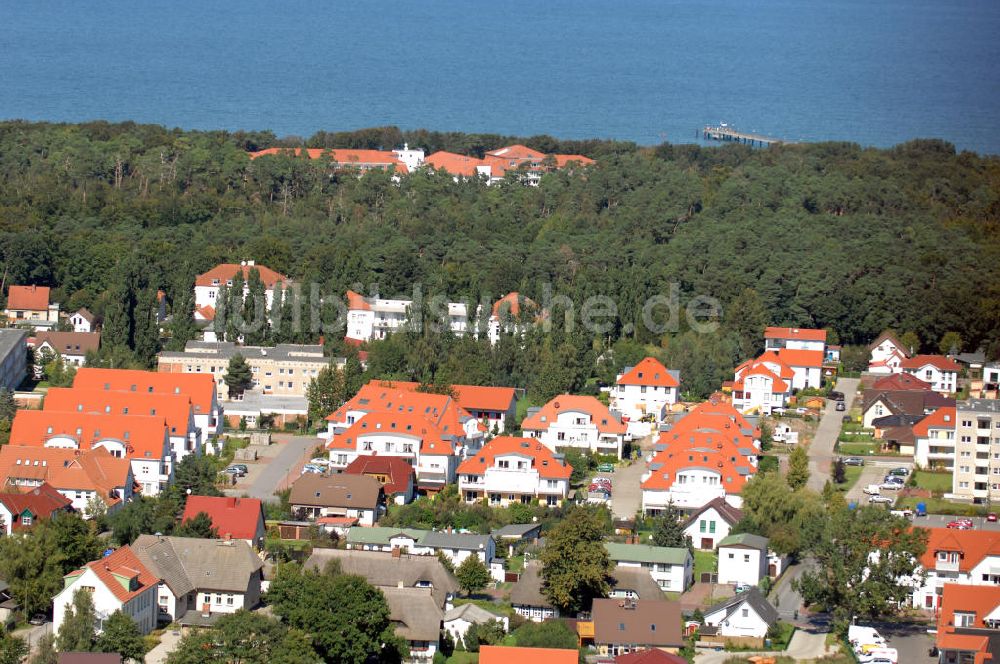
626 497
168 643
805 646
821 449
281 471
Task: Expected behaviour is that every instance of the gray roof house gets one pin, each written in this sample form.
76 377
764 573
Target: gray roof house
206 575
459 546
388 570
634 583
358 496
526 595
748 614
416 617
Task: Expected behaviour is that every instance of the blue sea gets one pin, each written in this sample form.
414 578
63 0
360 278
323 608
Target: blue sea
877 72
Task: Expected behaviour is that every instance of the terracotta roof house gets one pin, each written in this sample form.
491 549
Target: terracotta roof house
622 626
232 518
117 582
457 165
510 469
941 372
648 389
29 306
394 474
356 496
968 628
969 557
21 510
650 656
582 422
362 160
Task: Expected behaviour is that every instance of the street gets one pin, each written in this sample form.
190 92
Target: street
280 471
626 497
821 449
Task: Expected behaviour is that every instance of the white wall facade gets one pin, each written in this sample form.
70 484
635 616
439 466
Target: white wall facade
741 565
637 401
141 608
574 428
673 578
744 621
707 530
945 382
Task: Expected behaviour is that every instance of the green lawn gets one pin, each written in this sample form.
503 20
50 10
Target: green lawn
933 481
463 658
851 449
851 475
704 561
941 506
515 564
781 642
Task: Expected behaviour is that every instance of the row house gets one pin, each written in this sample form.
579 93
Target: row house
176 410
207 284
116 582
967 557
886 354
968 625
934 436
648 389
937 370
454 546
977 450
281 370
82 476
29 306
21 510
199 388
579 422
140 439
514 470
493 407
528 164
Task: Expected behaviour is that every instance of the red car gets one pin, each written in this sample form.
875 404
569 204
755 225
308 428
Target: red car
960 524
992 517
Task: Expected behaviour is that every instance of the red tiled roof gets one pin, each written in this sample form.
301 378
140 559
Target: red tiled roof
225 271
684 455
651 656
145 437
542 458
978 600
649 371
199 387
513 654
31 298
70 343
455 164
512 303
517 153
207 312
564 160
41 501
402 397
362 158
175 409
237 518
942 418
122 563
901 382
794 357
430 436
974 545
599 414
87 470
940 362
476 397
399 473
799 333
357 302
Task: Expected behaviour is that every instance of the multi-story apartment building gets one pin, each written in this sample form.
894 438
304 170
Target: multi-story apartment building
510 470
576 421
375 318
282 370
647 389
206 285
977 450
935 441
794 338
937 370
13 358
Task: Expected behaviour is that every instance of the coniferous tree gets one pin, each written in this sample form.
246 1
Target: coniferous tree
274 330
146 335
234 308
221 313
76 634
255 325
45 652
182 324
798 468
324 393
669 530
239 377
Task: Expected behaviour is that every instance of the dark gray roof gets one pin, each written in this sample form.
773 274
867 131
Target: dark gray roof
190 563
754 598
730 514
414 613
10 339
341 490
517 531
385 571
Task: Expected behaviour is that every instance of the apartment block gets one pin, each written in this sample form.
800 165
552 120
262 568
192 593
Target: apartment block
977 450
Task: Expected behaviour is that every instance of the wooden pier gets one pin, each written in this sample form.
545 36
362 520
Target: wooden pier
727 133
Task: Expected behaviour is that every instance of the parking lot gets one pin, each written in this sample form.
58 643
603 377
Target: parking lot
911 641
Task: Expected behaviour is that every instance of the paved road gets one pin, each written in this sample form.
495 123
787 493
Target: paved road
821 448
280 471
805 645
626 498
785 599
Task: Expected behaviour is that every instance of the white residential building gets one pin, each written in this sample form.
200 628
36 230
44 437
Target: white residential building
514 470
671 568
887 354
966 557
207 285
647 389
83 321
937 370
762 385
935 441
977 450
580 422
747 614
743 559
375 318
795 338
117 582
711 524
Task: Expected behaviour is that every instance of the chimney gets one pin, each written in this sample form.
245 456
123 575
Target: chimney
231 501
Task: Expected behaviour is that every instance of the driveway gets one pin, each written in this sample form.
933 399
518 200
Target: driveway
821 448
280 471
805 646
626 497
32 633
168 643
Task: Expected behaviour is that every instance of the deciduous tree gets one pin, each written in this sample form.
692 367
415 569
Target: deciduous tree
120 634
575 563
76 634
798 468
472 575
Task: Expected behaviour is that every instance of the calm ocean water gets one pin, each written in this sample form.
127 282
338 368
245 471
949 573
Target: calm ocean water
873 71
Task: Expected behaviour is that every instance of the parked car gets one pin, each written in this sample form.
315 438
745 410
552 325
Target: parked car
893 486
992 517
602 480
742 587
836 396
840 406
606 468
319 461
854 461
881 499
38 619
908 513
235 470
873 489
900 472
960 524
312 468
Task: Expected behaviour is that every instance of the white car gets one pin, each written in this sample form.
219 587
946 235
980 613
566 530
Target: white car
312 468
319 461
881 499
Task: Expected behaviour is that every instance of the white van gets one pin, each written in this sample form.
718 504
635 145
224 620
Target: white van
873 490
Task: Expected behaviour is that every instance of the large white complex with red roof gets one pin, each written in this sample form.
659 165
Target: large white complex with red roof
647 389
375 318
431 431
117 582
528 164
709 453
580 422
514 470
402 161
207 285
967 557
938 370
794 338
968 626
934 440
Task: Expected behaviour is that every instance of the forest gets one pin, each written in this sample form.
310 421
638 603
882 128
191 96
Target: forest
832 235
